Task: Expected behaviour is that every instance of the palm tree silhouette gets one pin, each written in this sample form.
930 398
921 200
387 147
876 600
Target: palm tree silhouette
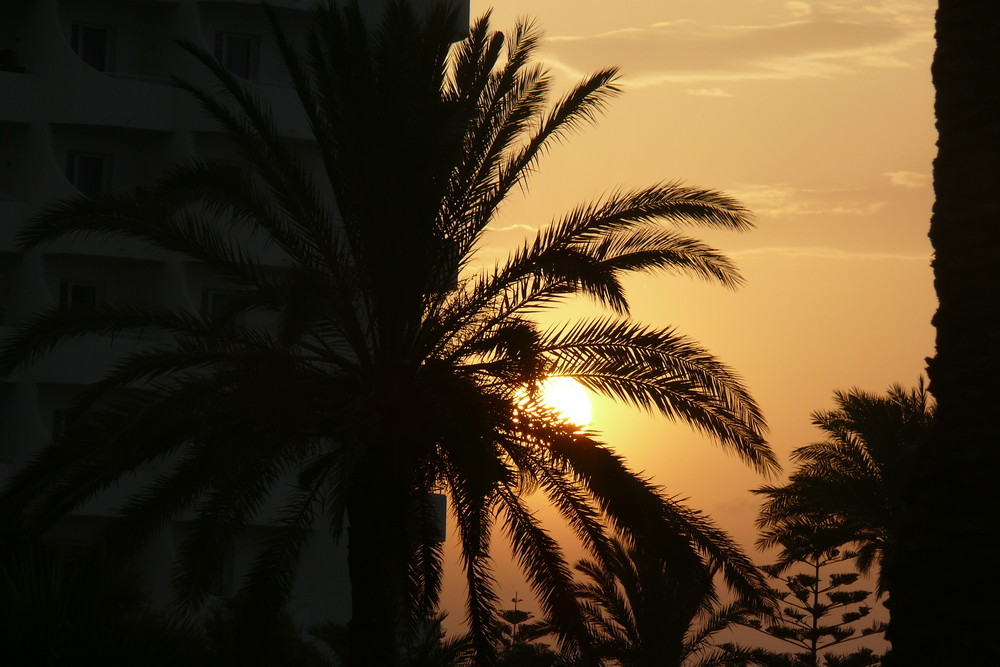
848 488
662 608
364 355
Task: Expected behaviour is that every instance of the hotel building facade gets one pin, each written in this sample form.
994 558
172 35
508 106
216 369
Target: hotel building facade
87 106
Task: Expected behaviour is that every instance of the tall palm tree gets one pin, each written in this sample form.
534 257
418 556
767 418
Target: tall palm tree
848 488
375 361
952 501
662 608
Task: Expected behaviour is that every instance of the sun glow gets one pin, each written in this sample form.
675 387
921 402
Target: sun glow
567 397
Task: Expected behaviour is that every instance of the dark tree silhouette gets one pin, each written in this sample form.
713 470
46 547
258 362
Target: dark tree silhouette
364 356
662 609
816 612
847 489
938 617
523 639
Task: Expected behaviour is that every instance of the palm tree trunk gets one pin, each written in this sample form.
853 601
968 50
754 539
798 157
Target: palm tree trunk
378 546
943 585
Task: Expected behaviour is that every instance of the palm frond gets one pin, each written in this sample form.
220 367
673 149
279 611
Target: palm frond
45 330
657 369
548 572
271 576
232 502
577 107
253 126
94 452
472 512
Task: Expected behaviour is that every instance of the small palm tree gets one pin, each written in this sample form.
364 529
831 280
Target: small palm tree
847 489
662 608
365 357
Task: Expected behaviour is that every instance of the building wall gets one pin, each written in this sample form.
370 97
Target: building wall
85 97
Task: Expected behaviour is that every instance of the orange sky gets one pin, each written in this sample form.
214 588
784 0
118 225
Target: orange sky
818 116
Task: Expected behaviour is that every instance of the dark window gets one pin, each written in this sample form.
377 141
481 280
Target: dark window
238 53
221 305
8 61
220 584
67 552
59 421
6 289
89 172
75 296
94 44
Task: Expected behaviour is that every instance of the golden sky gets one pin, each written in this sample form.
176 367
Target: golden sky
819 117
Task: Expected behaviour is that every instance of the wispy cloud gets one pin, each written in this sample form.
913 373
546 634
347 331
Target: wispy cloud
817 39
709 92
909 179
511 228
781 200
798 9
819 252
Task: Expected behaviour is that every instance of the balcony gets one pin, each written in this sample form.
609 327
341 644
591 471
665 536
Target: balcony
16 92
115 100
12 214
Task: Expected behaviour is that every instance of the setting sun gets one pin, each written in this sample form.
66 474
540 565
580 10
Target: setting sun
568 398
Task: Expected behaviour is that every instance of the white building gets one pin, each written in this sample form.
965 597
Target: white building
86 105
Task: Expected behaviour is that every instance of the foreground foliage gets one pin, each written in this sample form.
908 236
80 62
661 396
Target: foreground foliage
57 611
364 357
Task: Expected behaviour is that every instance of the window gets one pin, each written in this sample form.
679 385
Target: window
239 168
78 295
59 422
221 305
238 53
94 44
220 584
67 551
6 289
89 172
8 61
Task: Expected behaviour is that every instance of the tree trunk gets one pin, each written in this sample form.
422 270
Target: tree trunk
378 547
944 588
